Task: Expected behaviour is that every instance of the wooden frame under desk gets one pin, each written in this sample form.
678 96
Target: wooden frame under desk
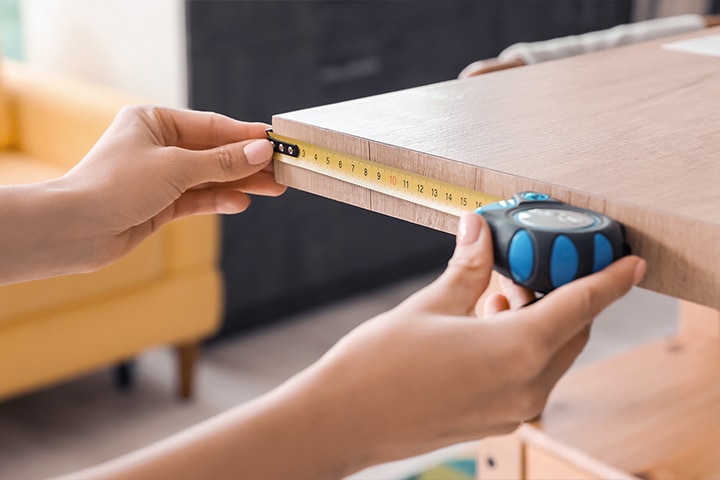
652 413
631 132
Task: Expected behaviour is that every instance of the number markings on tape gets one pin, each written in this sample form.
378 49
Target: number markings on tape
392 181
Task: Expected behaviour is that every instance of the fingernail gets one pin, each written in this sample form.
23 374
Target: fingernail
640 269
258 152
468 229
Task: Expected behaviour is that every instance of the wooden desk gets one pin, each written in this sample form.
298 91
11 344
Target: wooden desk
634 133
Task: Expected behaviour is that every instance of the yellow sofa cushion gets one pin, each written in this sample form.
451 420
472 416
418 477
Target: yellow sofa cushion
6 122
19 168
69 342
56 117
144 265
139 269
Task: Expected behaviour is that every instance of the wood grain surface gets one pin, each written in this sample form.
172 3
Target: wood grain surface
653 412
633 132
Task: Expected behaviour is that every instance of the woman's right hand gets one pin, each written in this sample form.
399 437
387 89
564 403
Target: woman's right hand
441 369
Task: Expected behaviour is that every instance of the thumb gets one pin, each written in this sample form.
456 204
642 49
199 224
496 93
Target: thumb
458 289
226 163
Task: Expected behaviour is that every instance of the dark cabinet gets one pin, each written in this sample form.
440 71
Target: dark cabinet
250 59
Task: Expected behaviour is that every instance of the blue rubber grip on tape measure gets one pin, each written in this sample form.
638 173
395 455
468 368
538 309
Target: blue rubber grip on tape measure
521 256
542 243
564 261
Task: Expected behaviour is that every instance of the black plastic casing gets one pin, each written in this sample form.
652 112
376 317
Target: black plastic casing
504 226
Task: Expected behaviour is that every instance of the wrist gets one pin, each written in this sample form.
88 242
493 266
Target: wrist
320 427
43 233
296 431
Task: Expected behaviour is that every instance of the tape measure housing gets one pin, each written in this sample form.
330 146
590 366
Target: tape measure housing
542 243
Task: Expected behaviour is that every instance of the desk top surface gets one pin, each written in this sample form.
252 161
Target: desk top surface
633 132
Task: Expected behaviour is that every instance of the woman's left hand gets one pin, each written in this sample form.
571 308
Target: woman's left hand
155 165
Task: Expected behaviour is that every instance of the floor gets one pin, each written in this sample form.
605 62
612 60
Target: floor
86 421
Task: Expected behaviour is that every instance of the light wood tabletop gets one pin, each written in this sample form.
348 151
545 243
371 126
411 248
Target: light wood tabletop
632 132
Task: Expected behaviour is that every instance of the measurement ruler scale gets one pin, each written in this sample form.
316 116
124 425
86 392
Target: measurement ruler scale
539 242
392 181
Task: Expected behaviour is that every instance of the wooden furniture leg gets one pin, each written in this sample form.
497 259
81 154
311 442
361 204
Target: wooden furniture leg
124 375
187 356
650 413
699 320
500 458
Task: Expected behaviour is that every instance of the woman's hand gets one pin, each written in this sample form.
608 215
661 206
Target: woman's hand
429 373
152 166
155 165
441 369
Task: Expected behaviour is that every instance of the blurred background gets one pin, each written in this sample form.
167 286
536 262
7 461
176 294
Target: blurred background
315 278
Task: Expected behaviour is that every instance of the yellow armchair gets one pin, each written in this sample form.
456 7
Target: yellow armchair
167 291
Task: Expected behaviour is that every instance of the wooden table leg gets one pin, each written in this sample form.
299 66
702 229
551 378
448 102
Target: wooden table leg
698 320
500 458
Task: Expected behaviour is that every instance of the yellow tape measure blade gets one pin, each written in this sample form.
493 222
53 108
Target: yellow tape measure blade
395 182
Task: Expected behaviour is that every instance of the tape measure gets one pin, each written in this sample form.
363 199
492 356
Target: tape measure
542 243
539 242
396 182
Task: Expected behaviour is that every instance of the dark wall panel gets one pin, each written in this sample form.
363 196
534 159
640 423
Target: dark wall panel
251 59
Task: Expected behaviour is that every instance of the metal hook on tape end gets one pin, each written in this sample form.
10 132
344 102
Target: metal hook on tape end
279 146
